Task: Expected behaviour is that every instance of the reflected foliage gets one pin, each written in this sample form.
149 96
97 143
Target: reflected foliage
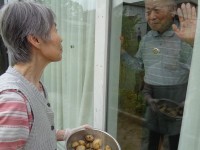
131 82
128 28
74 8
131 102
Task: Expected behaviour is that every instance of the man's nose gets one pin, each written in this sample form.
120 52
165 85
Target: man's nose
152 14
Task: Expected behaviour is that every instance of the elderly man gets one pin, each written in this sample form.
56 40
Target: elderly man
165 54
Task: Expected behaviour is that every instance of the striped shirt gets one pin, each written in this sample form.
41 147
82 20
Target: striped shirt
15 120
164 57
42 135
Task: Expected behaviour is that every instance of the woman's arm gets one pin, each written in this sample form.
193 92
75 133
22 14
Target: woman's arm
14 120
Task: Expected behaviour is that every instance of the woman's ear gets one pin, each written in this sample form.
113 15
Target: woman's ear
33 40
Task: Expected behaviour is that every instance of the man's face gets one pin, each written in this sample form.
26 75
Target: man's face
158 15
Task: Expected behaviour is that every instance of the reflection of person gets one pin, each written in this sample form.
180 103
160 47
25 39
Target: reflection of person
188 20
139 33
165 59
29 32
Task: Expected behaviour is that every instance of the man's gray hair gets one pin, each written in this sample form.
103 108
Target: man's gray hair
171 4
20 19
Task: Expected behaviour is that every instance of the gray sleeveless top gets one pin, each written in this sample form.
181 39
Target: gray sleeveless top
42 135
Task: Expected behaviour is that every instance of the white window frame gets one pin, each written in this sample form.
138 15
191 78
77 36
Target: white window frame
101 62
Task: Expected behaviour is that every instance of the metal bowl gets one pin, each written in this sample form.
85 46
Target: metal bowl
106 138
169 109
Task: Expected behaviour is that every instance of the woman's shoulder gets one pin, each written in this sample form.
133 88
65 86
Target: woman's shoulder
12 95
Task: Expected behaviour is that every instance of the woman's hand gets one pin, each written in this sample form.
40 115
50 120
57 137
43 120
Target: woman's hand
69 132
63 135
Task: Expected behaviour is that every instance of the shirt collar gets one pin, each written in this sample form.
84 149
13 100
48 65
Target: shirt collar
167 33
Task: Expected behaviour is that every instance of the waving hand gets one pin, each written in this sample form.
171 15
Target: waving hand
188 20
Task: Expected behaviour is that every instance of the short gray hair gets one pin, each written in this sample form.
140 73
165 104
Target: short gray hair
20 19
171 4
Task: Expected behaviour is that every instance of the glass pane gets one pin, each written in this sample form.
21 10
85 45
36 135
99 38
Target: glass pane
148 74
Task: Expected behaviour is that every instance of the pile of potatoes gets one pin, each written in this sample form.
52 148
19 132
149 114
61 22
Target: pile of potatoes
89 143
170 111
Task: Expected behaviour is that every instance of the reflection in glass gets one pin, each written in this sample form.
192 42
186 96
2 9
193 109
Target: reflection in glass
154 68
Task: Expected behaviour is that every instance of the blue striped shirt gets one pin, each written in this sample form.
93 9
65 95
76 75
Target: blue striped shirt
164 57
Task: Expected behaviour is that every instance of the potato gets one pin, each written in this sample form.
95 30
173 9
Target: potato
89 138
80 147
75 144
90 143
108 147
97 143
81 142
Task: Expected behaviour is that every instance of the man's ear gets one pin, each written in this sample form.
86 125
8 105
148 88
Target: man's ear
173 13
33 40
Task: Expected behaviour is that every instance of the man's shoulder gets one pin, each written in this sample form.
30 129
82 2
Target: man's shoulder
148 35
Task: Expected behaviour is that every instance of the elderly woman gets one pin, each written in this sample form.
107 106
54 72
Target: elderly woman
29 32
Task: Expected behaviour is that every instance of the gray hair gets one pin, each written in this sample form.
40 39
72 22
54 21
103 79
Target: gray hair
20 19
170 4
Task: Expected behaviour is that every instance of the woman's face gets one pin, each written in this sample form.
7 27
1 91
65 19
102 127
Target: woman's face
52 49
158 15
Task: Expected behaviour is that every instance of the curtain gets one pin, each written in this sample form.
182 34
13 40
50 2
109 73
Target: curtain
70 82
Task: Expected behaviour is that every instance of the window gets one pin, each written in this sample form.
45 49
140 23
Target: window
130 82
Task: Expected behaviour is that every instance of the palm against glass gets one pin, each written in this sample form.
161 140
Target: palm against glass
188 20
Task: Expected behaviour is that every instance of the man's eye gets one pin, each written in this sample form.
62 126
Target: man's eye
148 12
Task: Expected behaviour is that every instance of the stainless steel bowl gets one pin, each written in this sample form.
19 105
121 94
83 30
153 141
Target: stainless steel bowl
106 138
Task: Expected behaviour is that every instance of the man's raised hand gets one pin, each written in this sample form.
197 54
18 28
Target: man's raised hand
188 21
